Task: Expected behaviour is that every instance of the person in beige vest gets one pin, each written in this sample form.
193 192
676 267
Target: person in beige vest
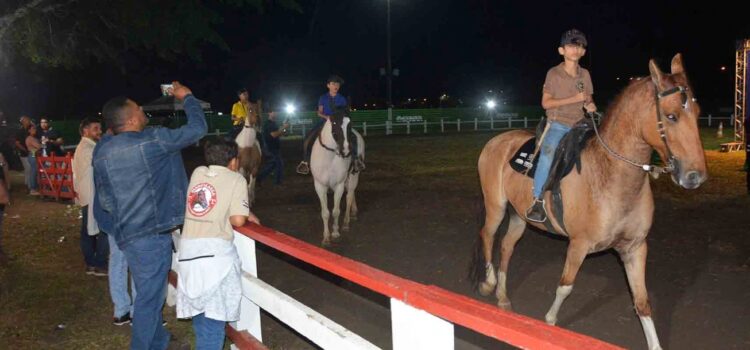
94 245
208 267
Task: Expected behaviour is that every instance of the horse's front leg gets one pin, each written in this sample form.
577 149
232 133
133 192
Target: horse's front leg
577 250
322 191
635 268
338 192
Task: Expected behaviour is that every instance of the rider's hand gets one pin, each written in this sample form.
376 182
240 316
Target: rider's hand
581 97
590 107
180 91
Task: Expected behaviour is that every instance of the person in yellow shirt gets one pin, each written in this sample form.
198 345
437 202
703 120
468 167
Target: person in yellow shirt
240 111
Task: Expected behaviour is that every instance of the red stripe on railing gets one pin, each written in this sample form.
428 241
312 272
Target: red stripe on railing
509 327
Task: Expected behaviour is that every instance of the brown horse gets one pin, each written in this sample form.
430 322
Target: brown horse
608 204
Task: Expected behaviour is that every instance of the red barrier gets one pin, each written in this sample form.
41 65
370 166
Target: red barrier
55 176
508 327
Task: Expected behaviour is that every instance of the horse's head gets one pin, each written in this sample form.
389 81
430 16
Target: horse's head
672 128
339 123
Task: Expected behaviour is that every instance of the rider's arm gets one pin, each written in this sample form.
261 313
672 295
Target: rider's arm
548 102
320 112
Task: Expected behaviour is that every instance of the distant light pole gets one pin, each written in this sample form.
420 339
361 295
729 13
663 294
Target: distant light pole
389 68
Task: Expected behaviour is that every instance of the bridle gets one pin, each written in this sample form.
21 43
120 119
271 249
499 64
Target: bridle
672 163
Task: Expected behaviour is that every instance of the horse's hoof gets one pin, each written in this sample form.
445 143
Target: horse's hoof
485 289
326 242
353 217
550 319
345 227
505 305
336 237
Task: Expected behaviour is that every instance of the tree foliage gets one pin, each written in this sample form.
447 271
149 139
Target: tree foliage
69 33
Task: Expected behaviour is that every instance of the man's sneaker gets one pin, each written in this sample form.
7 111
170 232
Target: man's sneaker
122 320
163 322
34 193
536 212
89 270
303 168
98 271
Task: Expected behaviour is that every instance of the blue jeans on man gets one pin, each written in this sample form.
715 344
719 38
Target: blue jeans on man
33 185
150 259
95 248
273 163
118 281
546 155
209 333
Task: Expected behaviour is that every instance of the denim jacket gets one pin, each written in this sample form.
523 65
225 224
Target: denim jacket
140 178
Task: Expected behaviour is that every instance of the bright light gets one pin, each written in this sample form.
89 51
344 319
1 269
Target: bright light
723 68
220 113
290 108
491 104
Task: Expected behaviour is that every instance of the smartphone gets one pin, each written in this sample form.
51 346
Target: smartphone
166 89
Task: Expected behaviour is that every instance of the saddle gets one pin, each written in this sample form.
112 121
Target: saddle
567 156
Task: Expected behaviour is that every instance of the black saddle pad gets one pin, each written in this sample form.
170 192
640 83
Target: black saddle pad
568 154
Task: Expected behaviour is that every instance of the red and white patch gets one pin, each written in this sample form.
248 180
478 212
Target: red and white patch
201 199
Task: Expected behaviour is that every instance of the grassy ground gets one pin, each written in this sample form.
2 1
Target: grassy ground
46 300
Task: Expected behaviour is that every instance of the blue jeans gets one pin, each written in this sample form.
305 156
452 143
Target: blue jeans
307 143
546 155
273 163
33 185
150 259
118 280
209 333
94 248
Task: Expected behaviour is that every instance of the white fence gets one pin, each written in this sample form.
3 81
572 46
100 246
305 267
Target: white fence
422 317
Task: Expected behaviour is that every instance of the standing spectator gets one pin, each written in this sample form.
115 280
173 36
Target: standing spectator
22 151
94 245
33 145
272 149
141 188
52 141
4 200
209 287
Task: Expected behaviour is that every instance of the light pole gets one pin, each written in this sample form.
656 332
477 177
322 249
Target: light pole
389 68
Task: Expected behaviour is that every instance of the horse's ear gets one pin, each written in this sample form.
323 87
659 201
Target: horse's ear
656 74
677 67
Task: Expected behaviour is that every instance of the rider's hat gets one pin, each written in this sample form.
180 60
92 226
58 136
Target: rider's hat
574 37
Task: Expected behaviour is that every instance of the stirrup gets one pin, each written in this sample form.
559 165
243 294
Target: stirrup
303 168
537 212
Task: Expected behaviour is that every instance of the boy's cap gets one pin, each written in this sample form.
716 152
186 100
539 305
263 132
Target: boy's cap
575 37
241 91
335 79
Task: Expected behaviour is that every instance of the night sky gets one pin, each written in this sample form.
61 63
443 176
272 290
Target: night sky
460 48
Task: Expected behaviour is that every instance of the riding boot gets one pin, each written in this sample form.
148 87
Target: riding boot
359 162
536 212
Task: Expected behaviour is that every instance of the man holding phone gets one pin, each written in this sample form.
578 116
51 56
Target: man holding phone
141 184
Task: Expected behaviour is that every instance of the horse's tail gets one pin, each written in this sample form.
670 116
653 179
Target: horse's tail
477 268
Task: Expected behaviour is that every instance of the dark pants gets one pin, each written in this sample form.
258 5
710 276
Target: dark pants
150 259
209 333
234 131
313 133
95 248
272 163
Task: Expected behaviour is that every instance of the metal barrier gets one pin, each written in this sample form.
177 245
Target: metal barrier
55 176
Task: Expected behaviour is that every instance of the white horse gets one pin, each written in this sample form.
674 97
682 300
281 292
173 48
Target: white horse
331 167
249 156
